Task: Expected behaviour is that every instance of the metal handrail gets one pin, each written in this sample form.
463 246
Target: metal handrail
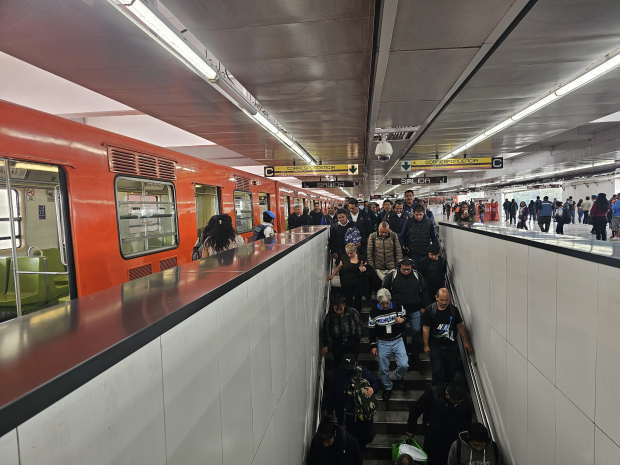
322 363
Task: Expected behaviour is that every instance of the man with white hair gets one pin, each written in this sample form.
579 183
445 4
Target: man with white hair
386 325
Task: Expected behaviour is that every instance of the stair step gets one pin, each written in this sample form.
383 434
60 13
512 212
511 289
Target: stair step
413 380
371 362
381 447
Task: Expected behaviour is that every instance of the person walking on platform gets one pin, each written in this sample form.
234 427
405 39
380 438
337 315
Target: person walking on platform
265 229
434 269
336 235
445 415
342 330
332 445
475 446
373 217
448 210
562 217
569 205
523 215
585 207
359 220
350 269
383 251
417 234
410 203
293 218
346 379
531 208
222 237
396 219
615 220
304 219
408 288
506 206
386 326
599 216
386 209
441 321
580 210
544 214
537 207
316 214
330 218
514 209
481 209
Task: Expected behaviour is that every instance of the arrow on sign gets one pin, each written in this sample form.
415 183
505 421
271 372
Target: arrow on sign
352 169
406 165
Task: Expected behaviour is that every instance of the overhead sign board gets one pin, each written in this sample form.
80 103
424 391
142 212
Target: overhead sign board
309 170
453 164
415 181
329 184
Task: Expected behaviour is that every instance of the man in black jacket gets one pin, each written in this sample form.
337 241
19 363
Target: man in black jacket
336 235
417 234
316 214
408 288
433 269
332 445
304 219
342 330
396 218
330 218
293 218
446 414
506 206
359 220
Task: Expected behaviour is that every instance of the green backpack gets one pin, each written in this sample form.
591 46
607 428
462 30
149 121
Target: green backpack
361 407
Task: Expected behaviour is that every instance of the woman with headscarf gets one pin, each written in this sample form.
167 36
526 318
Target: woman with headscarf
222 237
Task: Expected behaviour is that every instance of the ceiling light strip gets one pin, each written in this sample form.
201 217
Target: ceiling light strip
587 76
158 28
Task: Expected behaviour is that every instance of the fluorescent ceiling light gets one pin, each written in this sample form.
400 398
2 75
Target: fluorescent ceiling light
499 127
601 163
264 122
170 38
445 157
459 150
478 139
590 75
535 107
284 138
299 151
32 166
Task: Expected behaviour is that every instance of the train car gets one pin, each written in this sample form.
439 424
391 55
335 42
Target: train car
90 209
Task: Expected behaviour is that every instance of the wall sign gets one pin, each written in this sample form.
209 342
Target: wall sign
30 193
414 181
309 170
41 212
328 184
453 164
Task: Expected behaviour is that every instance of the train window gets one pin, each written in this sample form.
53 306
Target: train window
207 205
5 227
295 202
287 206
244 215
263 203
147 217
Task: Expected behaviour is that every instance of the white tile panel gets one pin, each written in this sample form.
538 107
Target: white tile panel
516 296
497 286
541 314
235 376
497 354
291 272
117 417
606 452
574 434
8 449
470 253
260 356
576 331
266 453
282 429
192 389
607 416
277 330
540 418
516 407
483 278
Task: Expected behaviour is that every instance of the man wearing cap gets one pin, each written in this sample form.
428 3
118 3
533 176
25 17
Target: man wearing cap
386 325
265 229
338 399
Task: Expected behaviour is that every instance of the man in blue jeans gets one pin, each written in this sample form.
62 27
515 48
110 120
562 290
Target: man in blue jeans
386 325
441 321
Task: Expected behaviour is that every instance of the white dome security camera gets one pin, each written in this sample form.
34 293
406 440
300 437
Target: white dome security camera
384 149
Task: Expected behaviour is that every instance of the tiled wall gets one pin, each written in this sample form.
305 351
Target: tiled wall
234 384
544 327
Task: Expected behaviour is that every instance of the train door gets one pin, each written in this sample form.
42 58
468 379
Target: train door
207 205
36 257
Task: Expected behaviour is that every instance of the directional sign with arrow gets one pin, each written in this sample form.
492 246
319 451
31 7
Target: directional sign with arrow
352 169
405 166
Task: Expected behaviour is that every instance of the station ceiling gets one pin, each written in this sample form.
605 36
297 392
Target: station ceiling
332 72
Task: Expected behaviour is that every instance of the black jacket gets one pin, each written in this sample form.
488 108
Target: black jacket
316 217
336 237
329 220
362 224
396 223
434 272
348 450
338 395
293 219
418 235
443 421
408 290
380 319
349 326
304 220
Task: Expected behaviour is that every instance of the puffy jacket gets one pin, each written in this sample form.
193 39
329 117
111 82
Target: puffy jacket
472 456
348 325
417 235
546 208
383 253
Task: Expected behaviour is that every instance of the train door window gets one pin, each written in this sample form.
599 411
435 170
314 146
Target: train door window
244 215
263 203
295 202
287 206
147 217
207 205
34 270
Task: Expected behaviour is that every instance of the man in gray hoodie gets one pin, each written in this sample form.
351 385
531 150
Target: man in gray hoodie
475 447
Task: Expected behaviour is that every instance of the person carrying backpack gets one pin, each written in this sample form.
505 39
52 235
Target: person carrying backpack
352 397
265 229
200 242
562 217
475 446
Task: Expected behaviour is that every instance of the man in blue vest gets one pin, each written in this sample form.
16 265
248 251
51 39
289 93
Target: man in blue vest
544 215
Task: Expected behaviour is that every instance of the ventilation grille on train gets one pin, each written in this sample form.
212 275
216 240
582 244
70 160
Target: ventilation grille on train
126 161
243 184
140 271
167 263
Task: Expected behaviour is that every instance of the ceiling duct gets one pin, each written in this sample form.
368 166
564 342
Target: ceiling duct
395 134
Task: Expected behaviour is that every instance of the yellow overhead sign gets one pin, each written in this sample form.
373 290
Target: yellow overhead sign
309 170
453 164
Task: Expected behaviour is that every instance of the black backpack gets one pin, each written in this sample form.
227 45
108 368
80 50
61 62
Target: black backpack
259 232
197 250
450 306
459 448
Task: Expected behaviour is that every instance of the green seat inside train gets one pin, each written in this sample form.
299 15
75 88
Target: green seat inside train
5 263
32 286
55 264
